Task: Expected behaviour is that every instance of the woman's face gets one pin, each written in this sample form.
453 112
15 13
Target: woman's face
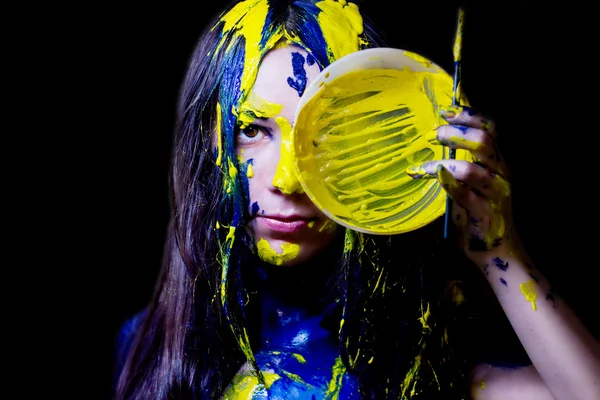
287 227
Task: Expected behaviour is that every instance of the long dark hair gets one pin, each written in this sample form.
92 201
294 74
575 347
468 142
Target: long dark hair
390 291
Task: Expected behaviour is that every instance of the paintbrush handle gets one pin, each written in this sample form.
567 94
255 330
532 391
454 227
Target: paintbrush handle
457 50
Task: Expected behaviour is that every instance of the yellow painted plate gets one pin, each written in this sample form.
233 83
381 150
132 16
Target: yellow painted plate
359 125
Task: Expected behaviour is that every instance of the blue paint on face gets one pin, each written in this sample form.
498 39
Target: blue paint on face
255 208
500 263
310 60
299 81
503 282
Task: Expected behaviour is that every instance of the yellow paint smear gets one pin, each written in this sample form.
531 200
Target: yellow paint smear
342 26
528 290
286 178
245 385
267 254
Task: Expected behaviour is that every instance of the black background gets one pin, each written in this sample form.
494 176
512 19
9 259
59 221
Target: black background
525 63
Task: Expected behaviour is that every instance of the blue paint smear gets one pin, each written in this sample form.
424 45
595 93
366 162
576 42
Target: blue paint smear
289 328
310 60
255 208
500 263
299 83
503 282
462 128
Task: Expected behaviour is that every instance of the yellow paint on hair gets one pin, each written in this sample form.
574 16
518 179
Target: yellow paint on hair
424 317
342 26
219 132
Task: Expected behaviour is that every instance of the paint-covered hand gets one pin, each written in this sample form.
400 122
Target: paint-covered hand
480 190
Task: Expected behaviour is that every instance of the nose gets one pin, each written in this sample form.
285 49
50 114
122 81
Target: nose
286 179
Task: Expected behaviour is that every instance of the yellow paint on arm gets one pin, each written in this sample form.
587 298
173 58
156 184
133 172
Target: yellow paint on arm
267 254
528 290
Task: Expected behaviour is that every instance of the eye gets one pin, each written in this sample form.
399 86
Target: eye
249 131
251 134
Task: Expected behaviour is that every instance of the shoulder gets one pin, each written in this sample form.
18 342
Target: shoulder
489 382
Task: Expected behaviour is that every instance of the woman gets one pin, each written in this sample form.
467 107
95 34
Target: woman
262 296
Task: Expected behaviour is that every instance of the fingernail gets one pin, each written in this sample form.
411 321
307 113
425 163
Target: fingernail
450 111
418 171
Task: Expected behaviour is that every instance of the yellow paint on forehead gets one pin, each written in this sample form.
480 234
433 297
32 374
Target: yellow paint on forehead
247 19
256 107
342 26
267 254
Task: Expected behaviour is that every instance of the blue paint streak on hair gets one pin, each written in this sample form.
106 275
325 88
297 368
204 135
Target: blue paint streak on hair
500 263
310 34
299 83
503 282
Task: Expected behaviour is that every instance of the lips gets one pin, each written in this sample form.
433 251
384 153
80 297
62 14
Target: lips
285 224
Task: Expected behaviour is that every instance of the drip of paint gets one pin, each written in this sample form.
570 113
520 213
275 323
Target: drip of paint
355 138
528 290
267 254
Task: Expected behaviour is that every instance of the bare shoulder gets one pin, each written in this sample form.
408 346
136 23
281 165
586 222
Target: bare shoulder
489 382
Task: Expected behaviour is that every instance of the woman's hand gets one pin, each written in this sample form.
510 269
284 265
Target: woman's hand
480 188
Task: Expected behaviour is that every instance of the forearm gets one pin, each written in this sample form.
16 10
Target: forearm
563 351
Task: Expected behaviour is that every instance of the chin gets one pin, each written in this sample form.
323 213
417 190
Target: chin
282 253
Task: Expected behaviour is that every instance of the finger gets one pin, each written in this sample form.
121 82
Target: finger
467 116
477 141
478 179
475 205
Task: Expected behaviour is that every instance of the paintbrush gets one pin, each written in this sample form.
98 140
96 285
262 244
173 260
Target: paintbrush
457 49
